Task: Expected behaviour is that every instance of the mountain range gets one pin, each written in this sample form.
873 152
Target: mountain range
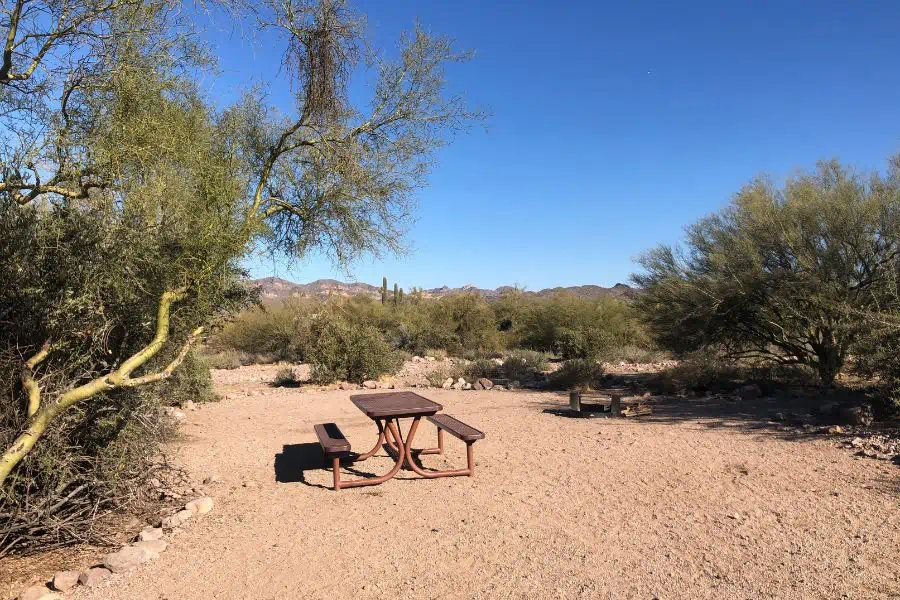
275 289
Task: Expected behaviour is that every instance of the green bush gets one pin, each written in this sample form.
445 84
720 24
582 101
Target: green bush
190 381
346 352
577 373
229 359
539 361
286 377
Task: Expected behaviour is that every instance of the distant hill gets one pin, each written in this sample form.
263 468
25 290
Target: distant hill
275 289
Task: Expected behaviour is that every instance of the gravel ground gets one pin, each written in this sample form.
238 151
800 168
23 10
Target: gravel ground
679 505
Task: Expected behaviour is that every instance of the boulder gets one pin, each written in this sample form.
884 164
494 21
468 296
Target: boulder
857 415
127 559
65 580
486 383
477 385
150 533
92 577
467 386
461 380
370 385
154 547
38 592
456 386
200 506
448 383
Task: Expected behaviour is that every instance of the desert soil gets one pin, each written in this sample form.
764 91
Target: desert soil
682 504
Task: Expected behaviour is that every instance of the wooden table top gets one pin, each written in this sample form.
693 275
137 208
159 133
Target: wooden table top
395 405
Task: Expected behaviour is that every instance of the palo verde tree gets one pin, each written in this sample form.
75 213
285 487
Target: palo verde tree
788 274
153 196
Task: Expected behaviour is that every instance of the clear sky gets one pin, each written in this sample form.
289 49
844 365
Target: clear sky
616 123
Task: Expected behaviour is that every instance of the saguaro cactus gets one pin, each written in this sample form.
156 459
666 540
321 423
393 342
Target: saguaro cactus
384 290
396 294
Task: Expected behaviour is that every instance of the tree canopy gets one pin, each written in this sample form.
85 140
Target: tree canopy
791 274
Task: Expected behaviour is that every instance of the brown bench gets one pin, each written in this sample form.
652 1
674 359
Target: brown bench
458 429
334 446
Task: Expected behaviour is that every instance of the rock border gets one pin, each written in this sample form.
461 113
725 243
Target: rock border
147 546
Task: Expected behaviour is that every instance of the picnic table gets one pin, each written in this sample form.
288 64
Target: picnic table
386 410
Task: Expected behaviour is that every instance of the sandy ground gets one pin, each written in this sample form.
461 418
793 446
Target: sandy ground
688 503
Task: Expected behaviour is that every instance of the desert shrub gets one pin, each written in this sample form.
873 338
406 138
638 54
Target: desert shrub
346 352
270 333
481 368
700 372
191 381
436 377
286 377
784 274
230 359
438 353
539 361
634 355
577 373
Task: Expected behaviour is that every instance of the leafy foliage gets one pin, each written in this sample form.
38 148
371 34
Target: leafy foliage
342 352
790 275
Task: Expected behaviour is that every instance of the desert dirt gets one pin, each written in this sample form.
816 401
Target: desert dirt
699 500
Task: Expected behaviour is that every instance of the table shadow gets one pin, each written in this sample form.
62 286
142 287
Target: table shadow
295 459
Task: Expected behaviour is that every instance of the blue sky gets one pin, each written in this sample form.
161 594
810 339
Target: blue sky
615 124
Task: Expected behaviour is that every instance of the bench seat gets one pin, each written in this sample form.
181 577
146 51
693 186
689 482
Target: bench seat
456 428
333 442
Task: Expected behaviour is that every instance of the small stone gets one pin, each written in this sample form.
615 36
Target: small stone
779 417
64 581
430 358
154 547
210 479
486 383
370 385
200 506
156 482
38 592
478 386
92 577
857 442
448 383
188 405
834 430
174 413
456 386
184 515
171 522
127 559
467 386
461 380
150 533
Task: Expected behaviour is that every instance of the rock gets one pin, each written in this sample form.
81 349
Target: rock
478 386
150 533
184 515
456 386
188 405
834 430
467 386
497 361
170 522
778 417
447 383
174 413
346 386
92 577
390 385
38 592
417 359
127 559
200 506
370 385
486 383
430 358
749 392
154 547
857 415
156 482
211 479
65 580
